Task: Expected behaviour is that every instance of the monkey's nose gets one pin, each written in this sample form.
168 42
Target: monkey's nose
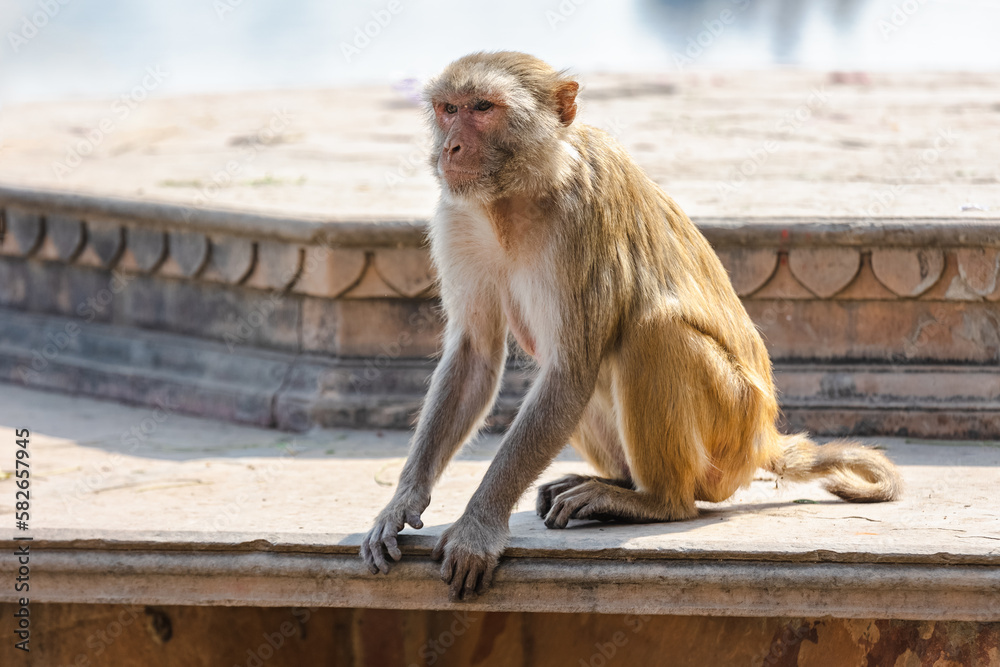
451 150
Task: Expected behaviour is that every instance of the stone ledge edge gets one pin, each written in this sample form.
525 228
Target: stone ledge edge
781 231
419 546
700 587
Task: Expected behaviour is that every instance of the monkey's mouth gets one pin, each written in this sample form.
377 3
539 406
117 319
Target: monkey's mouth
459 175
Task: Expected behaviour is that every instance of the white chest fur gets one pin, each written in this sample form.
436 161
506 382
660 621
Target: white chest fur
477 270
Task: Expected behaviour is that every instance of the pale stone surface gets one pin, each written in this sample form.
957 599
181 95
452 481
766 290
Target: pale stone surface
102 471
906 144
144 506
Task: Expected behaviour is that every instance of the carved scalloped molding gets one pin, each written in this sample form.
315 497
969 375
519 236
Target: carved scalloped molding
823 272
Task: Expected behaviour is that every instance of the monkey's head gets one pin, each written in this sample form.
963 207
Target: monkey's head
498 120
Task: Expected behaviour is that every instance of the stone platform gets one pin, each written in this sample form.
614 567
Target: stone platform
747 145
149 507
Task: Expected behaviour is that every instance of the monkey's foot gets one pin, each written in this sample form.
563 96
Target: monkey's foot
604 500
547 493
469 551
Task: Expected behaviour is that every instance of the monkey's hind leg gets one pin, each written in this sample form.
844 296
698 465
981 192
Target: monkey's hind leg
596 439
663 409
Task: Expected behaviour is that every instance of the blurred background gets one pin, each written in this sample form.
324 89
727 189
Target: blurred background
57 49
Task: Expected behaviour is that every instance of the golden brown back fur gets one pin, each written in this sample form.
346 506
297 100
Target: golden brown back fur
691 347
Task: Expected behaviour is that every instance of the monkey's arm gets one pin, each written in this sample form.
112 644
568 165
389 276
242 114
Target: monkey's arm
471 547
463 388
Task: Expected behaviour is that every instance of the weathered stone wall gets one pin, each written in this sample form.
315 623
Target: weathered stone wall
883 328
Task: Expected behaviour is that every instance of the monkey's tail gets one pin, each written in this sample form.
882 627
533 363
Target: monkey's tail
852 471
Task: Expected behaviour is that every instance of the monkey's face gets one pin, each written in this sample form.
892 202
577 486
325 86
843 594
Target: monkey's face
498 119
468 151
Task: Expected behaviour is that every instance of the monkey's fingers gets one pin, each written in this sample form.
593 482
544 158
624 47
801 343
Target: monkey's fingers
413 518
438 552
448 569
379 558
366 556
460 581
376 548
392 546
487 579
473 581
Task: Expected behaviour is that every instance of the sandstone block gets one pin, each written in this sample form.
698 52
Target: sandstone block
188 254
320 325
908 271
145 250
978 268
824 271
749 268
105 244
783 285
64 237
231 260
865 286
24 231
371 285
278 265
329 272
237 317
387 329
407 270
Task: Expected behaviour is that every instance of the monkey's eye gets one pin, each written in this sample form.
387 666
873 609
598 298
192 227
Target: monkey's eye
450 108
483 105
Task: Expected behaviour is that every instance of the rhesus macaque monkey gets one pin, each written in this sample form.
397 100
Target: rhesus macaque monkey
648 364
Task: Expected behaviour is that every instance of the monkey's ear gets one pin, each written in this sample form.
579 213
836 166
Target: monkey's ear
566 101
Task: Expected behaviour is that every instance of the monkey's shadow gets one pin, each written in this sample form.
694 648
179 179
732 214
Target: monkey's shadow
530 537
710 514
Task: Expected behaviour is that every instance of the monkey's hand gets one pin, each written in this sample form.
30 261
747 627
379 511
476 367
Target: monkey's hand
470 550
381 539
